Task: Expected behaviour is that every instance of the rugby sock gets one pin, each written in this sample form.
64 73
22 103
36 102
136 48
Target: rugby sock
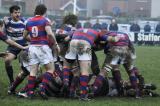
16 82
74 84
141 81
24 89
47 77
117 78
31 85
9 71
84 86
133 80
140 77
135 70
98 83
66 74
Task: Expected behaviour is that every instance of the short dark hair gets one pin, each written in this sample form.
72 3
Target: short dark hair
40 9
14 7
70 19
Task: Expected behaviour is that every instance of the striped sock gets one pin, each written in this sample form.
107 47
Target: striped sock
83 86
98 83
66 74
24 89
31 85
133 80
17 82
117 78
47 77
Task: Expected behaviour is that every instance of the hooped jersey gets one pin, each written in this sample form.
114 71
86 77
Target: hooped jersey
88 35
123 39
36 28
14 30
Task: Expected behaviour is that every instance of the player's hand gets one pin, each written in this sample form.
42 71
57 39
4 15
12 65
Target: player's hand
53 22
25 47
5 19
66 39
116 39
57 48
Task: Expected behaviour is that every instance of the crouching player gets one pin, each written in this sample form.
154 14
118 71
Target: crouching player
108 88
117 53
80 46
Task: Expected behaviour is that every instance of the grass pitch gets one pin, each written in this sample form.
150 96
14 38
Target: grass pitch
148 61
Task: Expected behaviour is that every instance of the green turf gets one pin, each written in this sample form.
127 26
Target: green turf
148 61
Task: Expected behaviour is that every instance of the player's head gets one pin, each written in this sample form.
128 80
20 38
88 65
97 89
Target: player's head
40 9
15 12
70 19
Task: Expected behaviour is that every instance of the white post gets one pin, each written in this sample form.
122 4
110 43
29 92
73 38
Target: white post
0 3
74 7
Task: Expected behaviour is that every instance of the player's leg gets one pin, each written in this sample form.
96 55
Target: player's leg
75 82
84 78
94 64
32 80
20 77
8 66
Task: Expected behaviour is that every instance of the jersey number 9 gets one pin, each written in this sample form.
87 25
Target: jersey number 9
34 31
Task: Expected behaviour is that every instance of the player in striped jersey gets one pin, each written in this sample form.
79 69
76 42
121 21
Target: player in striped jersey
39 29
14 27
4 38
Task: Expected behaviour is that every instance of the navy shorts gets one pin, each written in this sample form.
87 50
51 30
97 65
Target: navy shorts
13 50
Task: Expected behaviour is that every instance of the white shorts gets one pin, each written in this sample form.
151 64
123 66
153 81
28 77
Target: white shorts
79 49
117 60
26 65
119 54
40 55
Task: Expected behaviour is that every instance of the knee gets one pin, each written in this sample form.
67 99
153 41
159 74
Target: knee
7 60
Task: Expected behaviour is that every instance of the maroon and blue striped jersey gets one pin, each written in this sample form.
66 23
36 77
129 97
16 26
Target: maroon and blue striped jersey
88 35
36 28
123 38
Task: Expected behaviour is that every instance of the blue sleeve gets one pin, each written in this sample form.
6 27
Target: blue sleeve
70 34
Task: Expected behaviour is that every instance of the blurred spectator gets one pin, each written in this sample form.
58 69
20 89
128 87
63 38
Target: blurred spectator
87 24
78 25
147 28
136 29
157 30
104 26
97 25
113 26
58 24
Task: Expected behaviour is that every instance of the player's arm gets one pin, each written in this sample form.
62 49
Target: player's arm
113 38
105 38
51 35
25 35
13 43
